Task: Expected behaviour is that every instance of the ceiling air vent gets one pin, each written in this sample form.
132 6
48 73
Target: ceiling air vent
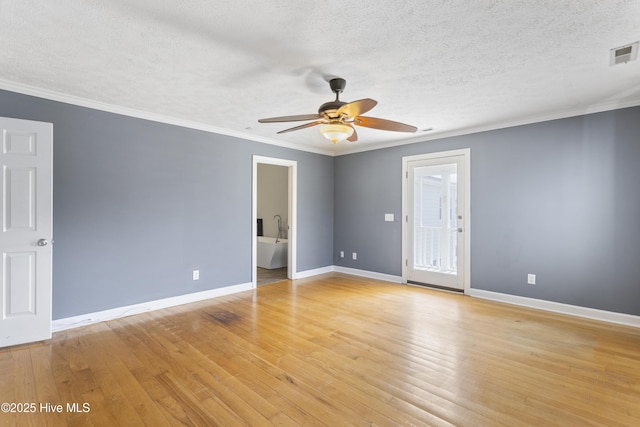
623 54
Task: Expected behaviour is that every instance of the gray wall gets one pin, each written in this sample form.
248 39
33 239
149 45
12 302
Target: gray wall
558 199
139 204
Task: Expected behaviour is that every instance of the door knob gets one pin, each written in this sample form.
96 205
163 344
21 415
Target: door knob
43 242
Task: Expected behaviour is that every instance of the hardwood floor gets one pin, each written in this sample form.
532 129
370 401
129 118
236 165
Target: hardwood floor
334 350
266 276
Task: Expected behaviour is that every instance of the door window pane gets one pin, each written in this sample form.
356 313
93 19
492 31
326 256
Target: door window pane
435 221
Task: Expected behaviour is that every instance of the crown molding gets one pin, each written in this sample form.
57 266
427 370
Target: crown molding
140 114
562 114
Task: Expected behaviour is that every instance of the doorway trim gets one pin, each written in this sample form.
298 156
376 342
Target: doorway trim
466 154
292 212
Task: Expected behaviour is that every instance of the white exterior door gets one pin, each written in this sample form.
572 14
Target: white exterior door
436 220
26 231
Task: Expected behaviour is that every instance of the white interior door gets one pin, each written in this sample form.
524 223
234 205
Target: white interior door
436 220
25 268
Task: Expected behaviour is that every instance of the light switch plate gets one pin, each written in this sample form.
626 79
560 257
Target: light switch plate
389 217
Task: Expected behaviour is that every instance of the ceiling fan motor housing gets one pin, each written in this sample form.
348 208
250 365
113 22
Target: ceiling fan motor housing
337 85
329 109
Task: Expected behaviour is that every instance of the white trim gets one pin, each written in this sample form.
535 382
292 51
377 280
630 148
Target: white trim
558 115
571 310
315 272
130 310
556 307
369 274
292 166
140 114
436 155
466 156
353 148
346 270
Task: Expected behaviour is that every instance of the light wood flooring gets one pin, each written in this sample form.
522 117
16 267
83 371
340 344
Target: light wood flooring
266 276
334 350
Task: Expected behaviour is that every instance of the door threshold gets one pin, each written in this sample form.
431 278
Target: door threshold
437 287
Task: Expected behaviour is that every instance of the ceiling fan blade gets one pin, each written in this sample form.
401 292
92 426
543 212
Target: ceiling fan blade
354 135
306 125
372 122
356 108
297 118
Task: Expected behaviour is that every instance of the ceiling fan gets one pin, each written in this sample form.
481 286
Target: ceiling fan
337 117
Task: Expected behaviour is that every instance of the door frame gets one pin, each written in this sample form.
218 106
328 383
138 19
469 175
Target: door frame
292 212
466 154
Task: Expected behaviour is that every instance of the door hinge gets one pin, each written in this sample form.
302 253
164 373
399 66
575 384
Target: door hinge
406 218
406 174
406 262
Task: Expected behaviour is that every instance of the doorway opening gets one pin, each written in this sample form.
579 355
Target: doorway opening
274 220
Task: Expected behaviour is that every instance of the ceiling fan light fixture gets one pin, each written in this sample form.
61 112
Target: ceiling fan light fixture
336 132
336 118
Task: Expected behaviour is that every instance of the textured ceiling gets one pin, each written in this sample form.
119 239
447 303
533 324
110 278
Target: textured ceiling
451 65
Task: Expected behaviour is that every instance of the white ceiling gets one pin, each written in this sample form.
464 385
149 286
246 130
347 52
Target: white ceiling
452 65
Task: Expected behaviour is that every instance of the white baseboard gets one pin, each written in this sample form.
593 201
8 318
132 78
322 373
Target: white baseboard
314 272
347 270
556 307
115 313
369 274
130 310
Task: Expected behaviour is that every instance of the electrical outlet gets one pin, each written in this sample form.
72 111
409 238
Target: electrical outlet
196 274
341 254
355 256
531 279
